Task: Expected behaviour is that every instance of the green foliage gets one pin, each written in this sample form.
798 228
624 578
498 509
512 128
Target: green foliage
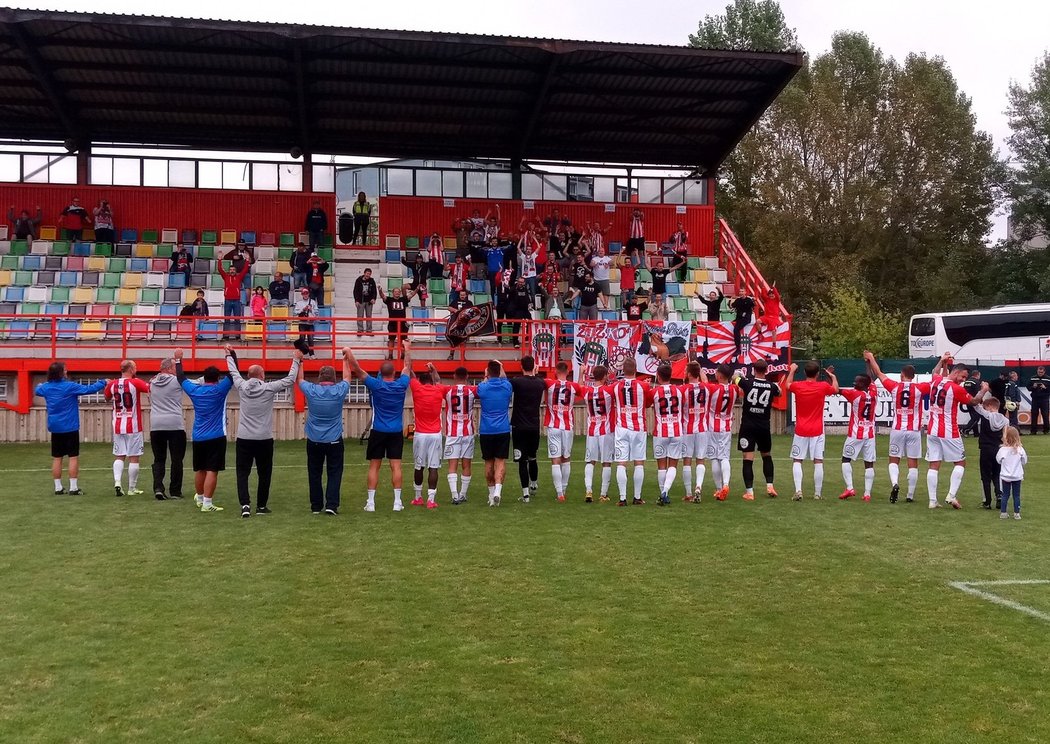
847 325
747 24
1029 112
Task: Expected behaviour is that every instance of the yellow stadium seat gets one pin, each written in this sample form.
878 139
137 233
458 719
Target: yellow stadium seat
253 330
48 232
128 296
144 250
132 279
702 276
614 275
449 242
5 277
329 281
279 311
90 330
689 289
84 295
228 237
96 263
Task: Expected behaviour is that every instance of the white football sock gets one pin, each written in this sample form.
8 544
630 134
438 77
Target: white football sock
464 484
847 475
133 476
397 496
606 477
931 485
913 480
716 473
621 481
669 478
701 471
588 477
725 473
956 480
453 484
72 484
118 472
556 478
566 471
58 484
661 473
895 473
372 497
818 477
687 479
796 474
418 489
639 476
432 495
869 480
497 490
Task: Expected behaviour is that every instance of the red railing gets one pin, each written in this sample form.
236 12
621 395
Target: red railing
742 271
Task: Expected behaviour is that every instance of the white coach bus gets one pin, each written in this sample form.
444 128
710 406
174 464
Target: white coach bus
1003 332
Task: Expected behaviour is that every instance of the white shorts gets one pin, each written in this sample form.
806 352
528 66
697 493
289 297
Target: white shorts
905 444
859 449
944 449
559 443
127 445
601 448
718 444
426 450
694 446
807 448
630 445
670 447
459 448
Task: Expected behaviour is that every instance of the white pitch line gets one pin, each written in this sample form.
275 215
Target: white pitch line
970 587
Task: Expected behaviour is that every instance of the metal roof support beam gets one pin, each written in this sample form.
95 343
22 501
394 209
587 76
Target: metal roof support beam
538 102
58 102
301 104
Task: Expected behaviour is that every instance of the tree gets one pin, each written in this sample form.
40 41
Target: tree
747 24
845 325
1029 120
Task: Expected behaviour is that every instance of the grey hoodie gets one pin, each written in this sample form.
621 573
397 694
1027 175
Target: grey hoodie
256 418
165 397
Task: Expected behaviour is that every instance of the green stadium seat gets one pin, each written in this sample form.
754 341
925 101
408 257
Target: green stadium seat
60 248
23 278
103 249
30 308
215 282
60 295
288 239
150 236
117 265
439 299
164 250
106 295
412 242
19 248
210 237
435 285
150 296
694 263
325 252
11 263
111 280
681 304
204 251
285 254
123 309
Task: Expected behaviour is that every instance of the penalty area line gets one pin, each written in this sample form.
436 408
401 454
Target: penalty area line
971 588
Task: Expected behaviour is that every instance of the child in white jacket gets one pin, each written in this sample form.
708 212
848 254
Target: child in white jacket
1011 458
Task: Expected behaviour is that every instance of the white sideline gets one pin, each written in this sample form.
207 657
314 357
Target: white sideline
970 587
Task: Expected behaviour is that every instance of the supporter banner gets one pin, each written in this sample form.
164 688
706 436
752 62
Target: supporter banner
650 343
477 320
543 344
717 344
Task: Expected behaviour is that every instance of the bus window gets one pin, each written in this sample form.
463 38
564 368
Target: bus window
923 326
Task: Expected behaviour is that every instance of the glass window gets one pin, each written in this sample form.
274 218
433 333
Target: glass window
452 183
101 171
155 173
605 189
264 176
399 181
477 184
696 191
921 326
290 176
35 168
209 174
555 187
428 183
235 175
649 190
10 168
182 173
531 186
324 178
63 169
674 191
127 171
500 186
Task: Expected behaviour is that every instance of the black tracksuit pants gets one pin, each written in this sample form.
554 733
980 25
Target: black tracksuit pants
162 443
990 470
260 453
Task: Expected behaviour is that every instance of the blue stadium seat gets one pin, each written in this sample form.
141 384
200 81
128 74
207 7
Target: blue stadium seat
52 308
392 256
14 294
248 237
32 263
615 247
168 311
18 330
176 280
324 312
139 264
82 249
420 312
129 235
67 329
68 279
478 286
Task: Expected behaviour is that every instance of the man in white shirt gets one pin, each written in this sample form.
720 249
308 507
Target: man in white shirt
601 263
306 311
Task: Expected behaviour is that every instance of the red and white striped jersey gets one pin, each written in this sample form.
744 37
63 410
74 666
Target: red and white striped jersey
668 403
694 416
127 406
863 404
436 251
561 400
459 410
907 403
945 399
458 274
637 227
597 239
720 401
680 238
601 406
630 398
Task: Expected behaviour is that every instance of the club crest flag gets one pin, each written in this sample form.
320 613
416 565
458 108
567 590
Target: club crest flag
477 320
543 344
650 343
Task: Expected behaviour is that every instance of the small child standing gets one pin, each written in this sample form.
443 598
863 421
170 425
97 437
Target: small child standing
1011 458
258 303
990 430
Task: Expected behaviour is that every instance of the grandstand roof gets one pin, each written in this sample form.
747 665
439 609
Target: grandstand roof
270 87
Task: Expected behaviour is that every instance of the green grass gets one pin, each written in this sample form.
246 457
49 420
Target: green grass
137 621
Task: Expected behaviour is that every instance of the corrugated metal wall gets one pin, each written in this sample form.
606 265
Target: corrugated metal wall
156 208
418 216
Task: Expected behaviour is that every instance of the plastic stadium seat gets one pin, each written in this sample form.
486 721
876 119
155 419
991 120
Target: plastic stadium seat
8 308
151 295
114 329
201 266
138 264
32 263
169 310
75 263
198 280
216 282
163 330
205 251
127 296
210 237
67 330
103 249
288 239
19 248
45 278
105 293
325 252
157 279
123 309
90 330
392 242
48 232
60 248
23 278
123 249
54 308
133 279
40 248
160 264
99 310
188 237
29 308
6 277
14 294
214 299
615 247
265 253
82 295
89 278
176 280
3 232
53 263
267 238
172 295
82 249
392 256
18 330
12 263
68 279
144 310
248 237
227 237
129 235
144 250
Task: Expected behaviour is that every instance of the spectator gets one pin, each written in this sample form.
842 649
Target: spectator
280 290
494 263
997 388
590 294
74 218
300 269
596 235
713 303
255 427
306 311
242 257
25 227
770 318
1013 396
167 430
636 238
435 256
971 385
635 307
528 251
550 288
600 265
362 211
517 301
504 282
458 299
658 308
324 434
420 271
232 307
556 226
316 225
743 306
103 214
200 306
364 298
397 309
458 273
461 229
628 278
1039 387
61 396
659 275
680 248
209 430
387 439
492 225
182 263
315 269
259 304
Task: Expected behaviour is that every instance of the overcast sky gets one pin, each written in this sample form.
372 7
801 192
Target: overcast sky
986 44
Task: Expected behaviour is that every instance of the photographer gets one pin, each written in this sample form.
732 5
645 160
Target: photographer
306 310
104 231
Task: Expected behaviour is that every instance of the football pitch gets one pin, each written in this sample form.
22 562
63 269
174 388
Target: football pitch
134 620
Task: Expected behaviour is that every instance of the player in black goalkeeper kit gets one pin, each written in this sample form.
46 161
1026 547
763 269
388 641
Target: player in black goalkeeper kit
758 396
